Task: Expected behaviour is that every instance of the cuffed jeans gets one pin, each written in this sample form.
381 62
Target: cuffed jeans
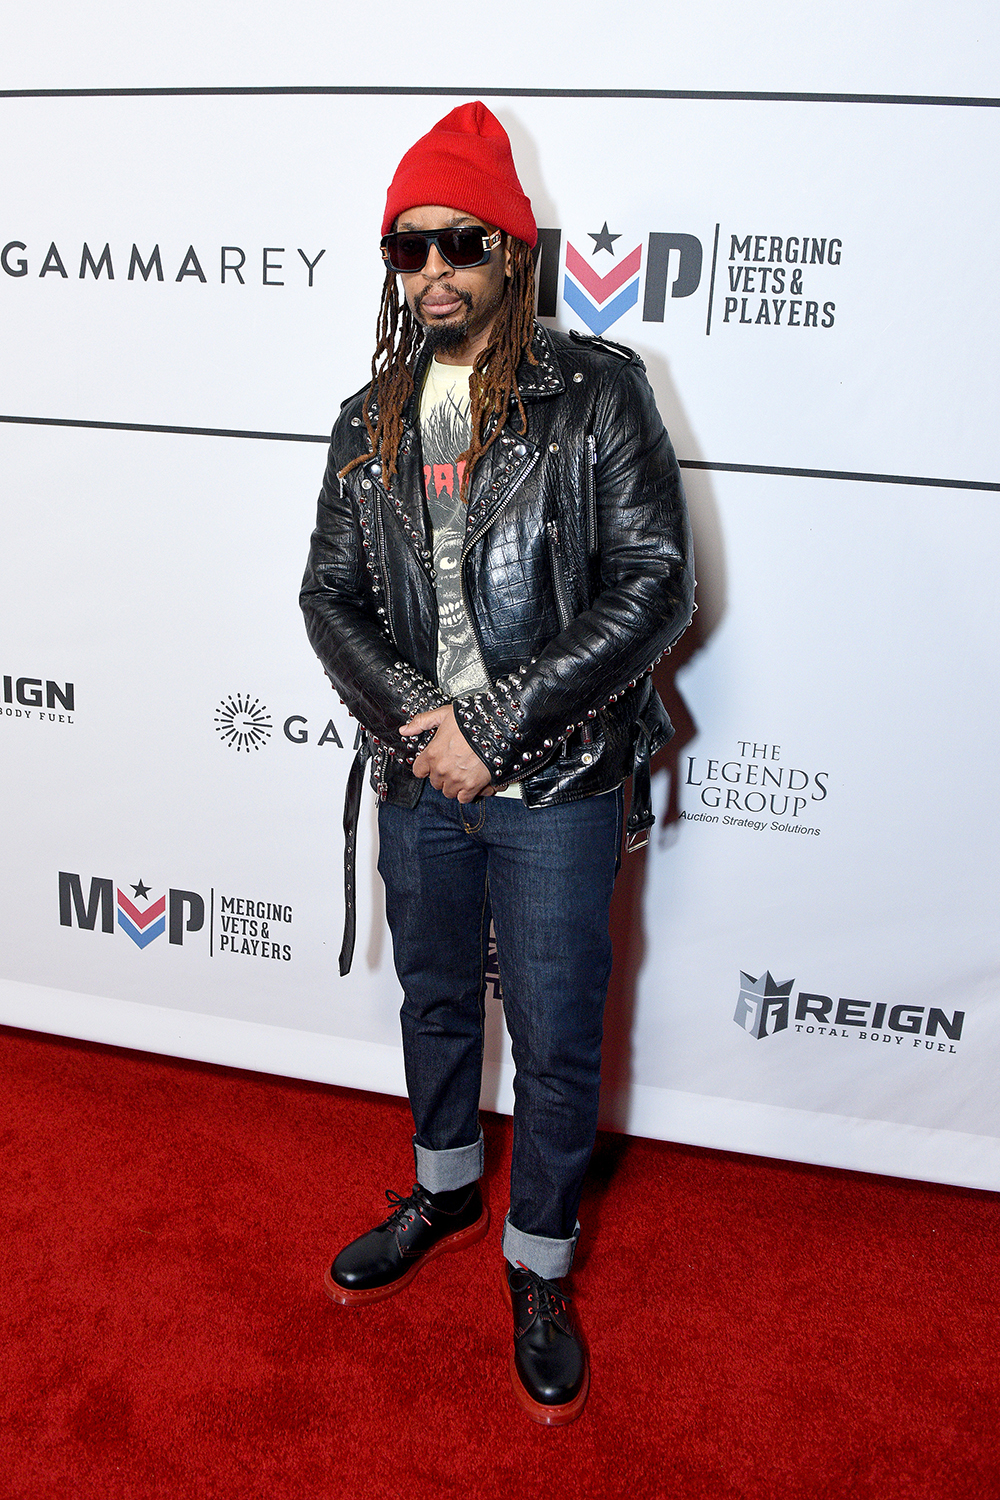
544 876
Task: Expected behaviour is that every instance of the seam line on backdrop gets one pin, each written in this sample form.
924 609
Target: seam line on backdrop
685 463
751 95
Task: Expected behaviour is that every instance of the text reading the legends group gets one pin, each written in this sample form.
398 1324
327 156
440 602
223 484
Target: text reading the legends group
753 790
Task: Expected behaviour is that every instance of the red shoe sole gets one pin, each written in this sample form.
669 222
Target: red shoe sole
361 1298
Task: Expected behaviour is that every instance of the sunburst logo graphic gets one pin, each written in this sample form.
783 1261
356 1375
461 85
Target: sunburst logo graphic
243 722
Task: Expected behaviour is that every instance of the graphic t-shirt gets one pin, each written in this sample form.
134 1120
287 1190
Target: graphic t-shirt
445 431
444 434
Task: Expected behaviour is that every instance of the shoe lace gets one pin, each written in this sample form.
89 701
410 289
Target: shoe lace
403 1208
546 1298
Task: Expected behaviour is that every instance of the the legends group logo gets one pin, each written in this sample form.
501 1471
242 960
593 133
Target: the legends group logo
242 926
764 1007
38 700
754 279
754 789
243 722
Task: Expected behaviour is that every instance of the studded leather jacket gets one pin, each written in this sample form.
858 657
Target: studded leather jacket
576 574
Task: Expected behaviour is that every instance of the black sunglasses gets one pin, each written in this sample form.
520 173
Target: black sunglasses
467 246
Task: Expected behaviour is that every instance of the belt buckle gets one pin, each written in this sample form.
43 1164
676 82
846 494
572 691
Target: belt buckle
636 841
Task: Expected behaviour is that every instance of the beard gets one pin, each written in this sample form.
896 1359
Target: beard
445 335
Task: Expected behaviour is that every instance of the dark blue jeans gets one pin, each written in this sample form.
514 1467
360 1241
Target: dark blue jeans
545 876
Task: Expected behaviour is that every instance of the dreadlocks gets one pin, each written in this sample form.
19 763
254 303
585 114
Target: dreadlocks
494 383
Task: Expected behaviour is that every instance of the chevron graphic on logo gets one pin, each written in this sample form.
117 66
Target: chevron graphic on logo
588 294
142 926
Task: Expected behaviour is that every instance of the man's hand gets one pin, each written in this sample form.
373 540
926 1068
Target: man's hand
449 760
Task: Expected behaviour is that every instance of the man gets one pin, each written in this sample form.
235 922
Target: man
500 558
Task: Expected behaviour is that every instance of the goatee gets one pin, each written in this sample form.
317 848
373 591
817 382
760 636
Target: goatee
445 335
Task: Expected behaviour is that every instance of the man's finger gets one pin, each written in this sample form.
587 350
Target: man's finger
421 722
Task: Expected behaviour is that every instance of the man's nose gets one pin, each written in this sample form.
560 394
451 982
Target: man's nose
435 265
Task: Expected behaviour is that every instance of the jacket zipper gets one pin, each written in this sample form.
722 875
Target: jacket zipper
380 546
590 483
563 609
411 436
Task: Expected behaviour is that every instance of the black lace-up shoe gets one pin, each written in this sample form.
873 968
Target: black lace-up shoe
387 1258
548 1368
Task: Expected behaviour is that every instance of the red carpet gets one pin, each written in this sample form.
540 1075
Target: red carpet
758 1330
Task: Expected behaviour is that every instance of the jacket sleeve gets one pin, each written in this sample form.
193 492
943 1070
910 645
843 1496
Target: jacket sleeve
343 601
643 604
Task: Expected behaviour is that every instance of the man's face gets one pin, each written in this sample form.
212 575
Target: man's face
456 307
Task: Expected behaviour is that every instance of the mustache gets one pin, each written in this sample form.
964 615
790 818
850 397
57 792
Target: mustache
443 286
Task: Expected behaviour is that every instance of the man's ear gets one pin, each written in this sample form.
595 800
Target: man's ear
507 271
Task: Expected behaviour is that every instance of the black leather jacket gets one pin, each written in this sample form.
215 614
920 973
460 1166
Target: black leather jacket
576 571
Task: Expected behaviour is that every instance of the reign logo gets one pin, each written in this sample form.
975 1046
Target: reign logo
33 698
764 1008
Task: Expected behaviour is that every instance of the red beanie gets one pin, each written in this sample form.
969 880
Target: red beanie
464 163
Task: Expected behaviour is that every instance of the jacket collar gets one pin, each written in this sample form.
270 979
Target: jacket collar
544 378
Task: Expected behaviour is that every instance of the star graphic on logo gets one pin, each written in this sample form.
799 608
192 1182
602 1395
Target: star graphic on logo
141 891
603 240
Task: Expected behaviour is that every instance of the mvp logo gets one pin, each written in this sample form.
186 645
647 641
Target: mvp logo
601 296
177 912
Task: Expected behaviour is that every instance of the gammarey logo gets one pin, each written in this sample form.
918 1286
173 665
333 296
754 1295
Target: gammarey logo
764 1007
19 261
243 722
248 927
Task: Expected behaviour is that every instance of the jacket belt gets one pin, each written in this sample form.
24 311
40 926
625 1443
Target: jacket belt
640 813
352 806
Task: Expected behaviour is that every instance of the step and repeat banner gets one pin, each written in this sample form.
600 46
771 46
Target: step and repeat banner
806 955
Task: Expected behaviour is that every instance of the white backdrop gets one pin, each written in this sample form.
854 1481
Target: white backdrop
827 815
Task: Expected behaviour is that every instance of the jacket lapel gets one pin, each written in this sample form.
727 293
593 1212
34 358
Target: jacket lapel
512 455
501 468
